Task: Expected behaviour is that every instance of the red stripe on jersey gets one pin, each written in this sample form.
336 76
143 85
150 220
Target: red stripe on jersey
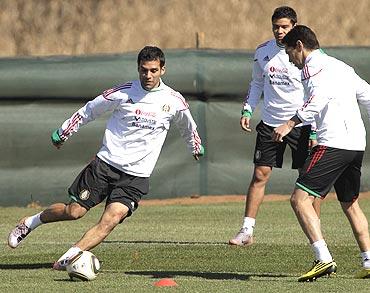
306 74
72 121
317 156
72 124
105 96
114 89
196 142
307 102
196 137
181 98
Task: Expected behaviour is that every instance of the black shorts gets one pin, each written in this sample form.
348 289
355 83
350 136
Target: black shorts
271 153
328 166
100 181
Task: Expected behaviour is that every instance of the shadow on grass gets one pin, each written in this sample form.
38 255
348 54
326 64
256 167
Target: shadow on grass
22 266
163 242
204 275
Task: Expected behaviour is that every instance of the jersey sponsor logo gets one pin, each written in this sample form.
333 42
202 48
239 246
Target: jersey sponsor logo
142 126
278 78
275 82
143 113
278 70
144 120
84 194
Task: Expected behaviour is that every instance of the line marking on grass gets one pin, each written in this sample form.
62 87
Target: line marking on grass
163 242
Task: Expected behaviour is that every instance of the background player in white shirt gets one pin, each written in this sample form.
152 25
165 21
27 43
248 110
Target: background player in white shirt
280 82
334 91
142 112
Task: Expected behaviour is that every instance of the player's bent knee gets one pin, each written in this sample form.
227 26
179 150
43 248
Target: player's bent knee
261 174
75 211
293 201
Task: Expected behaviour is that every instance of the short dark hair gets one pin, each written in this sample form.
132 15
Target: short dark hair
285 12
301 33
150 53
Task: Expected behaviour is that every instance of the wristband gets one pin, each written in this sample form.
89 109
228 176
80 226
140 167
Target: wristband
313 135
55 137
201 151
246 113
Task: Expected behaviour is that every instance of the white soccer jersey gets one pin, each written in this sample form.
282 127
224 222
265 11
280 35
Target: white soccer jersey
334 90
280 82
137 129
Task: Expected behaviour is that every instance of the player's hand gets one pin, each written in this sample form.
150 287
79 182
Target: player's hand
280 131
56 139
312 140
312 143
244 123
199 154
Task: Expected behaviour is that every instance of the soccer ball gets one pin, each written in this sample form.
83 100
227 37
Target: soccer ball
84 266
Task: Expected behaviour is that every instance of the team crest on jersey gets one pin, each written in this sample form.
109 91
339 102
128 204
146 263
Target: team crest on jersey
84 194
166 108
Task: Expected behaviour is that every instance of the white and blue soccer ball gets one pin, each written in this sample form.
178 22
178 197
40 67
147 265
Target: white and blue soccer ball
85 266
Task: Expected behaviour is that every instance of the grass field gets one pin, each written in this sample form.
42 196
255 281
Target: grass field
188 244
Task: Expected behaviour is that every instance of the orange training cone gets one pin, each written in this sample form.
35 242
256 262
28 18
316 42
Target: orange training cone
165 283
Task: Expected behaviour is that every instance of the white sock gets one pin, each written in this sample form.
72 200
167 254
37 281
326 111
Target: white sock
34 221
365 259
321 251
249 223
70 253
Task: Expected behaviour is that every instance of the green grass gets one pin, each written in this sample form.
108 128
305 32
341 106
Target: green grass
186 243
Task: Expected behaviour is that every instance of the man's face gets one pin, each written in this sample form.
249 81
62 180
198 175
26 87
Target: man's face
280 27
150 73
295 55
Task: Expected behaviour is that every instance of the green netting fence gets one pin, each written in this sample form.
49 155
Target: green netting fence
38 94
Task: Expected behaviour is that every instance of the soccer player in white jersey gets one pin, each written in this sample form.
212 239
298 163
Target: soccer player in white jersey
280 82
334 90
142 112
